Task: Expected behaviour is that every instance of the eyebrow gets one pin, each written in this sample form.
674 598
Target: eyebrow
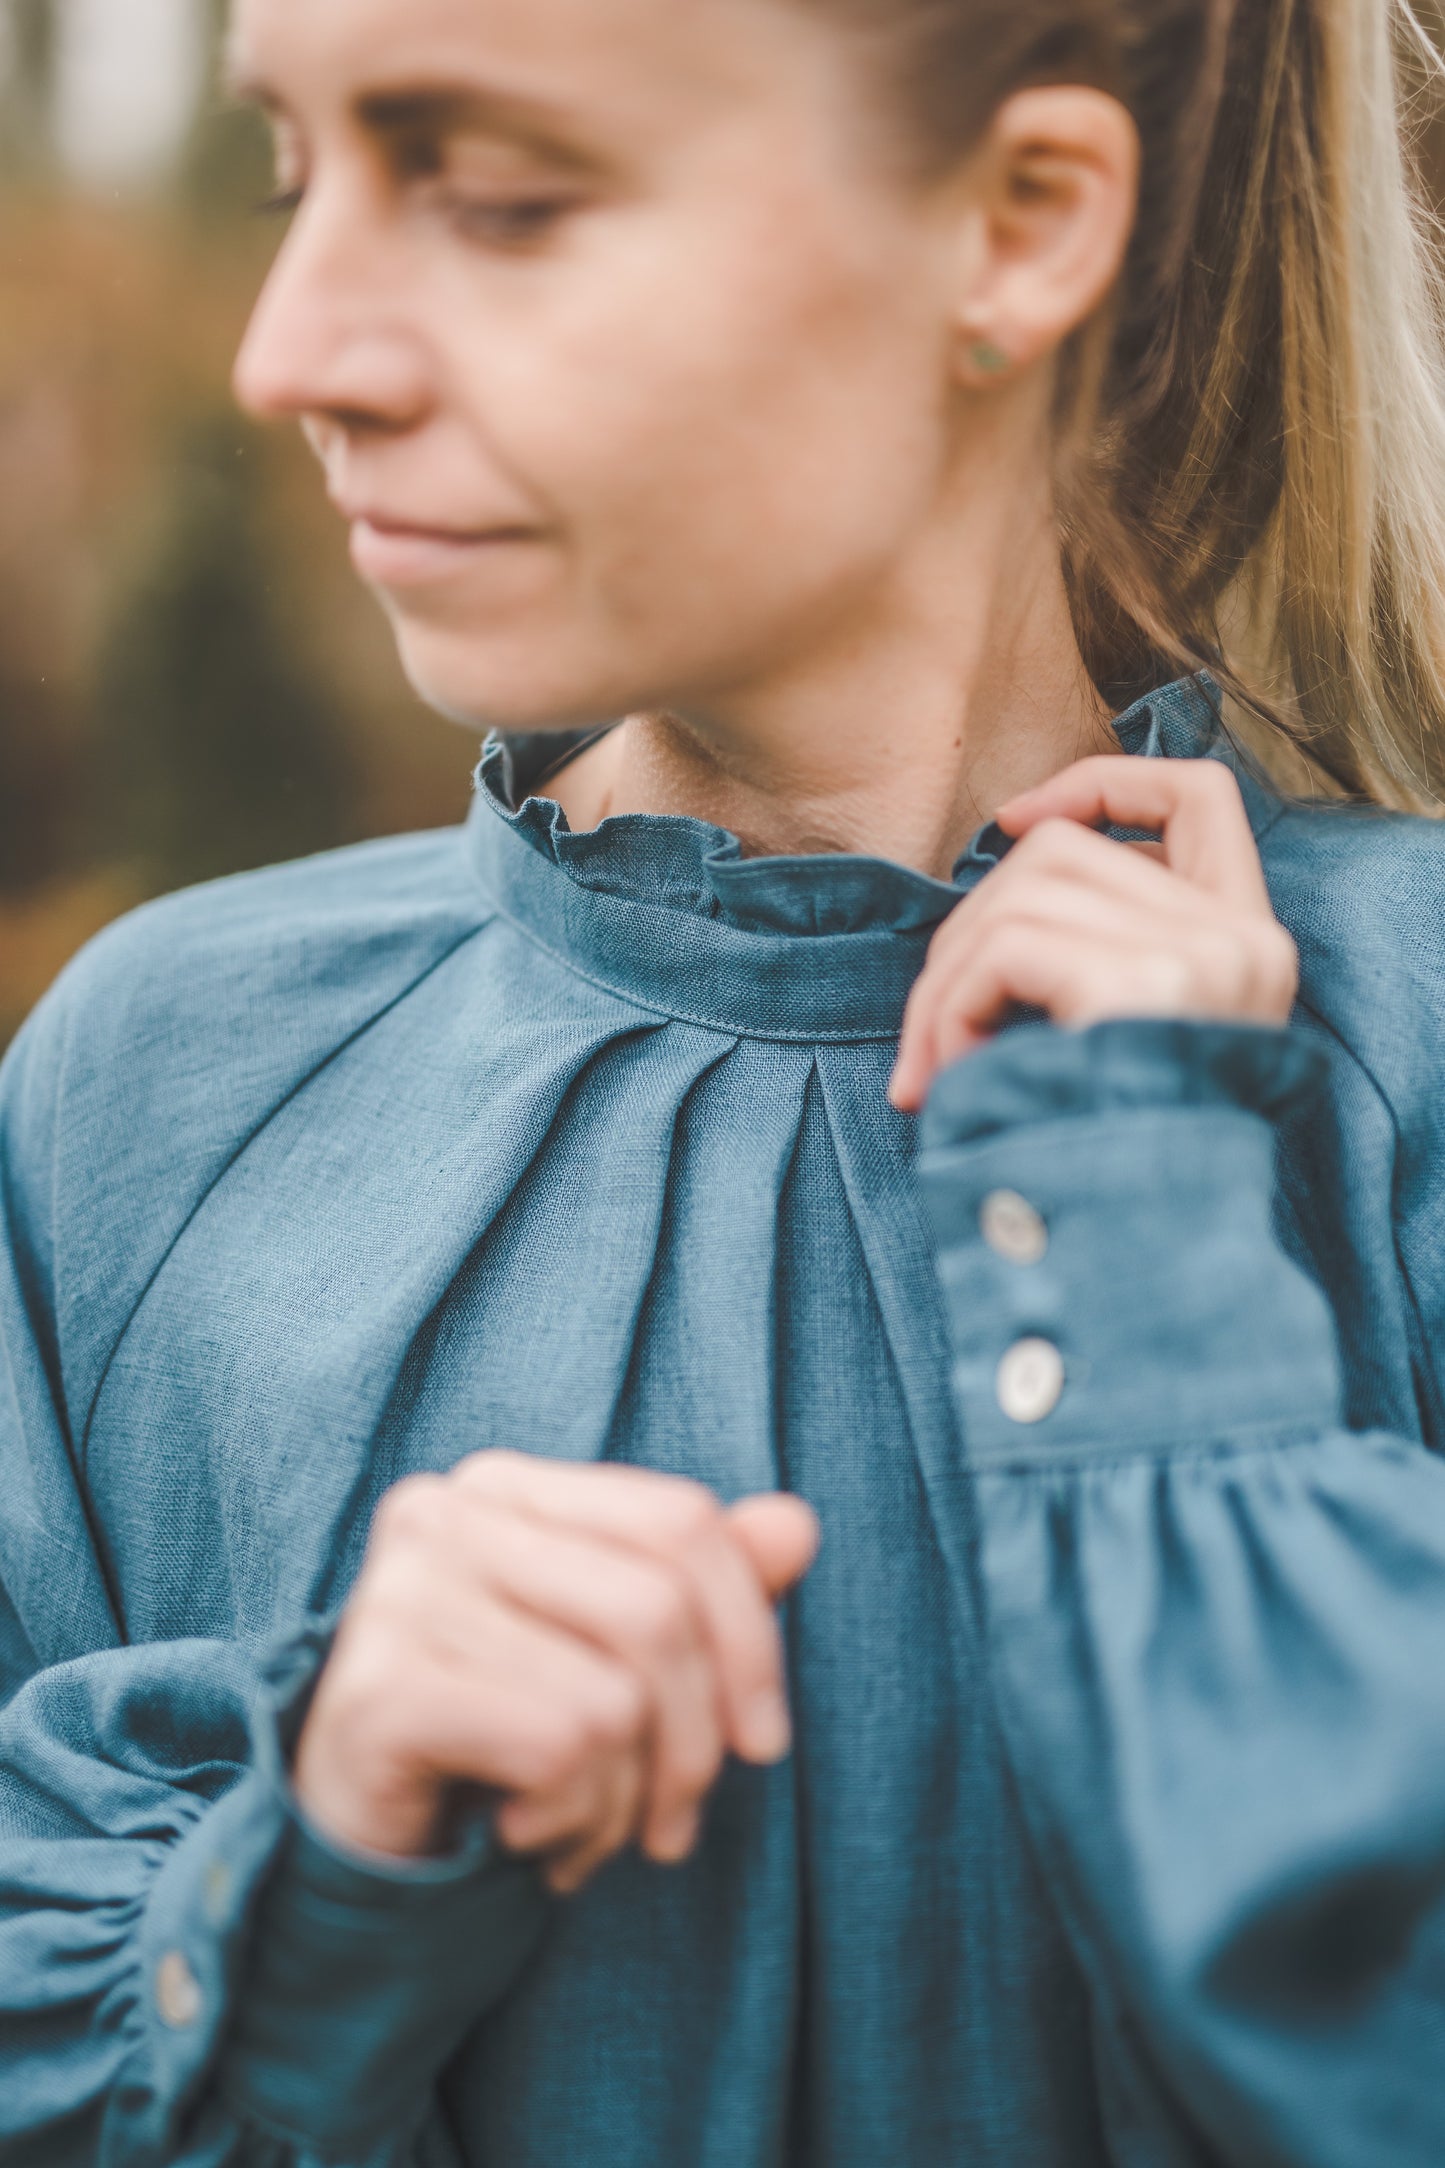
440 110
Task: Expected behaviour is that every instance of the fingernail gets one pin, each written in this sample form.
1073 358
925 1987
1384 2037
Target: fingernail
677 1839
768 1732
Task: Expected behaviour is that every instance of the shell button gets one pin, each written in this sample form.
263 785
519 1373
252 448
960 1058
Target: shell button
217 1890
1012 1228
178 1991
1029 1381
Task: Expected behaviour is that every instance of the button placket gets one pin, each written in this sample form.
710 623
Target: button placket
1030 1375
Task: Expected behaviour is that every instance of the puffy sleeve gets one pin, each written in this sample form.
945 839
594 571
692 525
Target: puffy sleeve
187 1975
1214 1617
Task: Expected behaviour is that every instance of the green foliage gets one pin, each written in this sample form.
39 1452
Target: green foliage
24 111
214 749
227 166
36 811
226 170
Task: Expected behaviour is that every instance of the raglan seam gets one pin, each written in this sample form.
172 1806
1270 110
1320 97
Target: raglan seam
242 1146
1327 1024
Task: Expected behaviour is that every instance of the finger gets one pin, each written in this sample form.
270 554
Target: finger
573 1865
575 1862
1060 872
682 1523
1109 910
638 1610
566 1873
1075 978
571 1812
916 1061
780 1534
507 1700
1059 858
602 1806
1044 907
1195 804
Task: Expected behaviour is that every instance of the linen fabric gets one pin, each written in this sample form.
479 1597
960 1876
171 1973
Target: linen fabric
1114 1829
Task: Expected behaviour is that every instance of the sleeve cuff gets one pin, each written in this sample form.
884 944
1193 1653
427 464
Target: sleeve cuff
364 1974
1039 1072
1101 1202
193 1930
363 1981
323 1991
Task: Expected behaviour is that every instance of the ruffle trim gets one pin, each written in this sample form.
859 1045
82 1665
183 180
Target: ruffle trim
689 865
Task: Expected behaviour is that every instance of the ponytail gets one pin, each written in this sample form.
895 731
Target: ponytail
1252 436
1263 488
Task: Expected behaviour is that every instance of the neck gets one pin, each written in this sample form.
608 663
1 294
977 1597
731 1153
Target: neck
896 736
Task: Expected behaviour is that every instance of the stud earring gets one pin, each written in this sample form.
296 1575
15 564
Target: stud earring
989 359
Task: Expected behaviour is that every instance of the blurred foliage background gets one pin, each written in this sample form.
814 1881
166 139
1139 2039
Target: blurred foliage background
191 679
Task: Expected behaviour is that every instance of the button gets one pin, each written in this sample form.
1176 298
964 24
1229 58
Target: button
1030 1380
178 1991
217 1887
1012 1227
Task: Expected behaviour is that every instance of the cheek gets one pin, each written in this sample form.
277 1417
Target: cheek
749 427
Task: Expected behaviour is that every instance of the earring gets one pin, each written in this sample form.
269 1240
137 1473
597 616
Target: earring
987 358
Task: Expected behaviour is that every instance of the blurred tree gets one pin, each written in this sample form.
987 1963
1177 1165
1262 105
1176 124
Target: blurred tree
36 807
227 167
25 101
215 749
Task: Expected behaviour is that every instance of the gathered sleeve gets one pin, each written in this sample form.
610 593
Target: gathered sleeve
1214 1617
188 1975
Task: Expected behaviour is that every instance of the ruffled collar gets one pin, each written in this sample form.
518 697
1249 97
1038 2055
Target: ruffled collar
666 911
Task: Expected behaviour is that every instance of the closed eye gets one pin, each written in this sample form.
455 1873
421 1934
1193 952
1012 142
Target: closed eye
280 204
519 220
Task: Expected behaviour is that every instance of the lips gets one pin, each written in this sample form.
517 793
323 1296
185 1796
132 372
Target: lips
391 552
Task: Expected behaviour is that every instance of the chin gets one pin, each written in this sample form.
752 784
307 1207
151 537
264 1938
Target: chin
493 685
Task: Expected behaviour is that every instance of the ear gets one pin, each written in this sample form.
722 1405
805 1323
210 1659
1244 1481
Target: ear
1053 191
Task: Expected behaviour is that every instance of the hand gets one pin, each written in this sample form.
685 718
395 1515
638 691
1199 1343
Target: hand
1083 927
589 1640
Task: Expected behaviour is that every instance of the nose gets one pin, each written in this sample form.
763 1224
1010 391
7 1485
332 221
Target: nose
331 335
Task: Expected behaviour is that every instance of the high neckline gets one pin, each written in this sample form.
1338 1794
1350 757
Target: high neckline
665 911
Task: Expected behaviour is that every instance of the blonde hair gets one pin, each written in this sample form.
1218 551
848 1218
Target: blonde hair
1252 471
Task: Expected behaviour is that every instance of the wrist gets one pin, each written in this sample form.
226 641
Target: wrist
1151 1304
354 1794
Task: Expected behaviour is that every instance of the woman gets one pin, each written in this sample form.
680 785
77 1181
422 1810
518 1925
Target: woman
451 1284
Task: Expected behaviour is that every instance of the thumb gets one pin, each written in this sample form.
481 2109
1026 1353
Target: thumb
780 1534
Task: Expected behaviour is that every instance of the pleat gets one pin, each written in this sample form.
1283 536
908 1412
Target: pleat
934 1952
880 1754
701 1392
874 1147
534 1341
668 2059
388 1168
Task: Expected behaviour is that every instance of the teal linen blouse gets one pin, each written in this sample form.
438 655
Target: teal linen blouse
1114 1830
